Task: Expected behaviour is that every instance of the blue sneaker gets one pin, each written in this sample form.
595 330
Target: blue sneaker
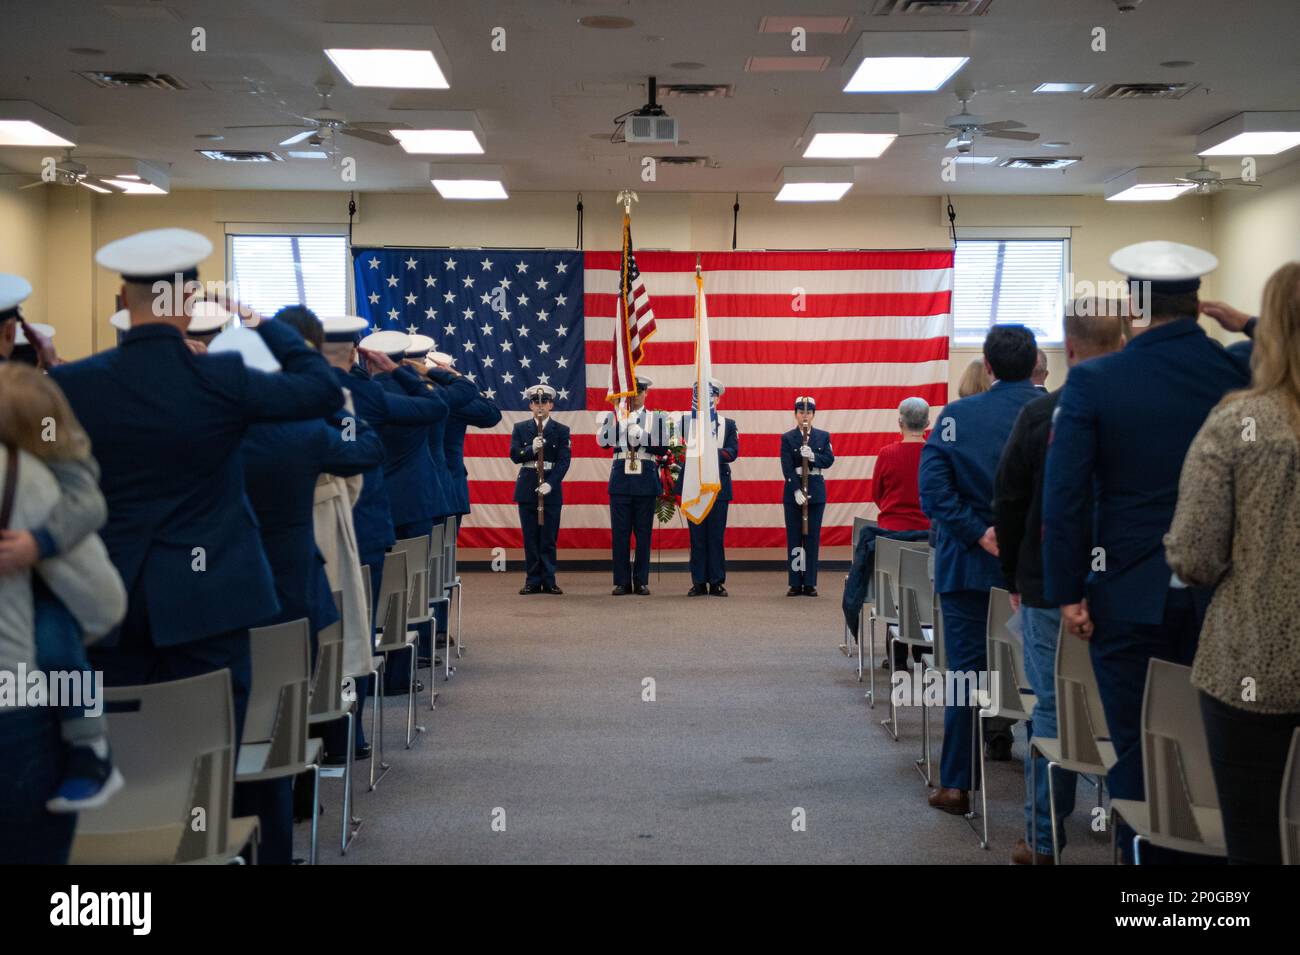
89 782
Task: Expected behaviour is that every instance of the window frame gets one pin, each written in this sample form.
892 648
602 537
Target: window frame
297 230
1011 234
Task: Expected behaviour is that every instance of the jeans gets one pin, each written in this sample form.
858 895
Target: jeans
1248 753
1041 628
31 768
60 648
864 564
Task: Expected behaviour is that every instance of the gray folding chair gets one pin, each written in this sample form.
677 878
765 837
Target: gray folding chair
331 701
884 602
1181 809
275 743
916 631
394 635
1290 814
934 662
1082 743
419 584
175 745
1008 694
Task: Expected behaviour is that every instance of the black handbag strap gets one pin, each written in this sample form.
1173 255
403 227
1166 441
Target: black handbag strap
11 486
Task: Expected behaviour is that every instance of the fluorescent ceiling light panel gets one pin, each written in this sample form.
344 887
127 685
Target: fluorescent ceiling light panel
307 154
1148 184
26 124
1251 134
446 132
391 56
814 183
1063 87
969 160
849 135
90 185
468 181
905 61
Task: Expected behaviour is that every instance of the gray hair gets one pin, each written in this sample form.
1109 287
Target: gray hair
915 414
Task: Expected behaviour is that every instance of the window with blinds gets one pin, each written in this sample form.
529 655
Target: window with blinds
272 271
1009 282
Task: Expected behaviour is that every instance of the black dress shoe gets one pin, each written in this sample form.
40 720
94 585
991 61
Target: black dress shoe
642 590
530 589
998 749
719 591
697 590
341 759
619 591
551 589
810 591
419 688
794 592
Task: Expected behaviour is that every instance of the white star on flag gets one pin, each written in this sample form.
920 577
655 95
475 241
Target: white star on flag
562 363
469 346
430 281
505 283
522 267
561 300
525 362
487 265
449 329
412 330
374 298
468 313
543 284
485 298
523 330
507 378
562 330
392 313
449 296
564 394
543 347
543 315
469 281
450 263
545 379
486 329
430 313
374 263
410 300
507 345
392 281
489 394
488 361
410 264
522 300
561 268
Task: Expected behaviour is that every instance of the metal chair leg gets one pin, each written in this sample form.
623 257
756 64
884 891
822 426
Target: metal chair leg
1051 802
377 727
891 724
460 639
411 727
315 810
351 824
1033 804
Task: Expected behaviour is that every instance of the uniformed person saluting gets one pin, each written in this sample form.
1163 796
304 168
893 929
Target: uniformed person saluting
540 435
634 486
805 453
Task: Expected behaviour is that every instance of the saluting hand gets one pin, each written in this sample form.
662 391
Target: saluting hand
377 362
1232 320
46 356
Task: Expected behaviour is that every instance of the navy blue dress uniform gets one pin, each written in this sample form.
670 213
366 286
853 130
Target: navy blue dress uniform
804 581
708 555
632 497
166 426
958 469
478 413
540 542
1123 426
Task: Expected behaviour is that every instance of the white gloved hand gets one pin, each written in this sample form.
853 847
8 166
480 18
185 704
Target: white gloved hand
800 498
806 451
544 488
634 434
538 443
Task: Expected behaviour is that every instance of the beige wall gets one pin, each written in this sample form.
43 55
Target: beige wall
1252 234
23 220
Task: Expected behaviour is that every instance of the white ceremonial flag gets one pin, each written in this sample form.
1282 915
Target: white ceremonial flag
700 481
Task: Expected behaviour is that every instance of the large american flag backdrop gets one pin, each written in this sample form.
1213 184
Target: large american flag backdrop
859 331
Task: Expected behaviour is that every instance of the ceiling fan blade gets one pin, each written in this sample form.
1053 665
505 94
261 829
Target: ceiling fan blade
942 132
1003 124
369 135
1184 179
268 126
1012 134
32 185
298 137
1240 184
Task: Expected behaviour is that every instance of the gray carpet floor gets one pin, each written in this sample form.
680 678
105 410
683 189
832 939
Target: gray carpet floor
542 750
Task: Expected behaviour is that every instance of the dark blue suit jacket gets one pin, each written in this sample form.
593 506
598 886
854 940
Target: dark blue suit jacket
959 464
556 450
479 413
823 457
282 461
728 451
166 427
1123 426
647 483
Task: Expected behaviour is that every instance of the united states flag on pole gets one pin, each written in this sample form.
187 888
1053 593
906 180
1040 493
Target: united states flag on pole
860 331
636 323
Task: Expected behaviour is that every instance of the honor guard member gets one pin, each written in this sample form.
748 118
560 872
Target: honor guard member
804 443
1122 427
14 290
634 486
166 426
708 556
540 445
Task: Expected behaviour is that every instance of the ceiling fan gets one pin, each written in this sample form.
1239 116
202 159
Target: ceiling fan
1208 182
965 127
318 127
67 172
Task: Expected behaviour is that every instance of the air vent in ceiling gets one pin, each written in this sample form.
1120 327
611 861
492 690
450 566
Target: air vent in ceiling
930 8
1040 162
1143 91
240 155
114 79
695 89
787 64
683 161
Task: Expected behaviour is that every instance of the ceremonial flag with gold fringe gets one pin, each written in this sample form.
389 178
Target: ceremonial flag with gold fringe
701 481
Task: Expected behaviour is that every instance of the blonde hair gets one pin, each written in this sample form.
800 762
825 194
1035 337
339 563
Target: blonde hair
1275 357
974 380
35 416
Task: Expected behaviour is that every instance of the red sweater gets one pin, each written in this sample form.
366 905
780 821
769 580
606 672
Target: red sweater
894 487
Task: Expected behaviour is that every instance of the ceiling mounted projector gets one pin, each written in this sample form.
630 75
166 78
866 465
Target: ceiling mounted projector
649 124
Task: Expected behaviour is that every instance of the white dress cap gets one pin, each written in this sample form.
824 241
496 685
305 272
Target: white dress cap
207 317
155 254
418 346
14 290
343 328
392 344
1161 261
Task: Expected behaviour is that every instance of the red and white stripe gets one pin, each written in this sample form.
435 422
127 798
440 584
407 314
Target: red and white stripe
858 331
